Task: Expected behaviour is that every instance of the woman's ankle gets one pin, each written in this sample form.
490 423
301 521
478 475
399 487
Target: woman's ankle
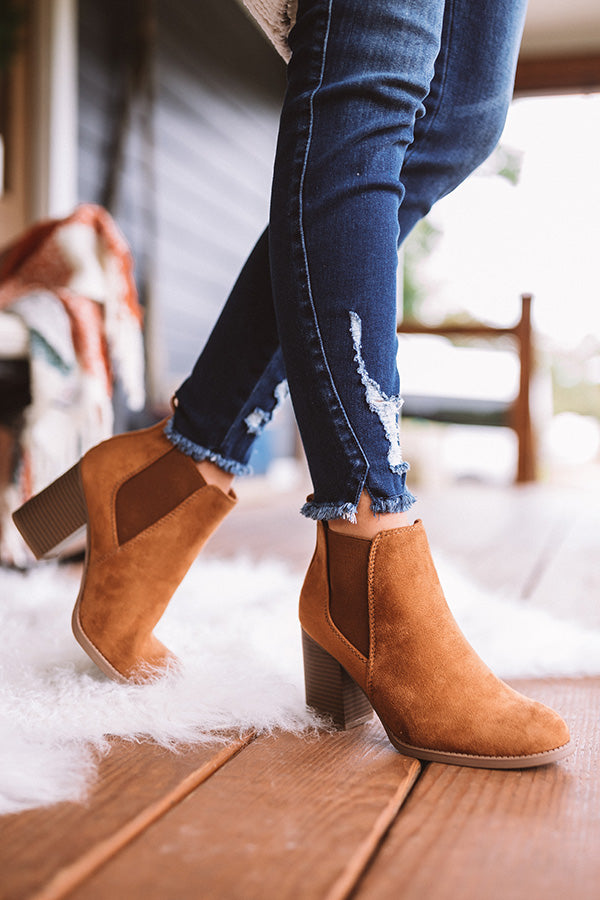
368 524
213 474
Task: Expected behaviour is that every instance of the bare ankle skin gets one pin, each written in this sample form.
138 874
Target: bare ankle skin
212 474
368 525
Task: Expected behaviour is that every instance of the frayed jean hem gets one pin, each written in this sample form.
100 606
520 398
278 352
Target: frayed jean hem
319 511
199 453
326 511
393 504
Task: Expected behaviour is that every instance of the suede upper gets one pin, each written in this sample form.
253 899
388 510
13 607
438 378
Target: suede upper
424 680
149 513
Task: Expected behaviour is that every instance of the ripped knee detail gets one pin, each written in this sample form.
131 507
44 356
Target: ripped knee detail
257 420
386 408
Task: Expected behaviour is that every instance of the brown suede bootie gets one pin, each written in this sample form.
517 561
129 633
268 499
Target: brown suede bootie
378 633
148 512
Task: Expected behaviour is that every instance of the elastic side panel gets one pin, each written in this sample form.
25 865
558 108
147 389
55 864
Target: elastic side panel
153 493
348 563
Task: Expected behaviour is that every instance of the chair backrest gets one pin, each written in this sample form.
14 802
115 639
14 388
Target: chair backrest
519 411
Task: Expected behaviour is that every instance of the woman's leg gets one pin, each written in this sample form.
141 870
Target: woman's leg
373 614
239 378
358 77
370 138
236 383
467 104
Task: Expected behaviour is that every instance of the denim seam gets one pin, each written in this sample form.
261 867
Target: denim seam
232 430
305 256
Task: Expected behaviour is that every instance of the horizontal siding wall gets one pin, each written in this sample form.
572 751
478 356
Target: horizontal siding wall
194 181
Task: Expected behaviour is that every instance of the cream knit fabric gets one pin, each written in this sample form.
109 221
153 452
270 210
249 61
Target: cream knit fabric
276 18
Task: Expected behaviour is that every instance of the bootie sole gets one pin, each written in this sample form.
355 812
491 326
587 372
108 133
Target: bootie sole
481 762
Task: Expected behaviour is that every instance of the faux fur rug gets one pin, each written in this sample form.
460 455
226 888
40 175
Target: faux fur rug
233 624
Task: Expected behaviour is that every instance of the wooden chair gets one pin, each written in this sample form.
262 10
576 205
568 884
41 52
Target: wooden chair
515 414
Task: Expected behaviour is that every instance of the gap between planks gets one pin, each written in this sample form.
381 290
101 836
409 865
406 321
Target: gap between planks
290 817
493 834
344 887
71 876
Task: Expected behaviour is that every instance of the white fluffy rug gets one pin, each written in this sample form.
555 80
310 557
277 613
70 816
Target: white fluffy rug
233 624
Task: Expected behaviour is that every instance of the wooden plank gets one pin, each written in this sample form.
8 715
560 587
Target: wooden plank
46 852
489 834
290 817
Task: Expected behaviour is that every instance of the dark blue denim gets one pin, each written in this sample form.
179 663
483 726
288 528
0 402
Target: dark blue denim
389 106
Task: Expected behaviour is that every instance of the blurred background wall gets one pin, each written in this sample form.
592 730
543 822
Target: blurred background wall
178 109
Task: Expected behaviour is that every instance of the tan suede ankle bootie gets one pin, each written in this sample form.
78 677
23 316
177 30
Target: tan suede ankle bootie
377 632
148 512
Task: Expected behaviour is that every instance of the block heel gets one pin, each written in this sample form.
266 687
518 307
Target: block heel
330 691
55 516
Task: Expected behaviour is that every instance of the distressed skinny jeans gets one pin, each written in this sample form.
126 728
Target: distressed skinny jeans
390 104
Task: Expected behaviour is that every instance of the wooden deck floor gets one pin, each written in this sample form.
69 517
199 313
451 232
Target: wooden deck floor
343 815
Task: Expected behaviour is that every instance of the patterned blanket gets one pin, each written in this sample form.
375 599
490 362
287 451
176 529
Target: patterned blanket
71 282
276 18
